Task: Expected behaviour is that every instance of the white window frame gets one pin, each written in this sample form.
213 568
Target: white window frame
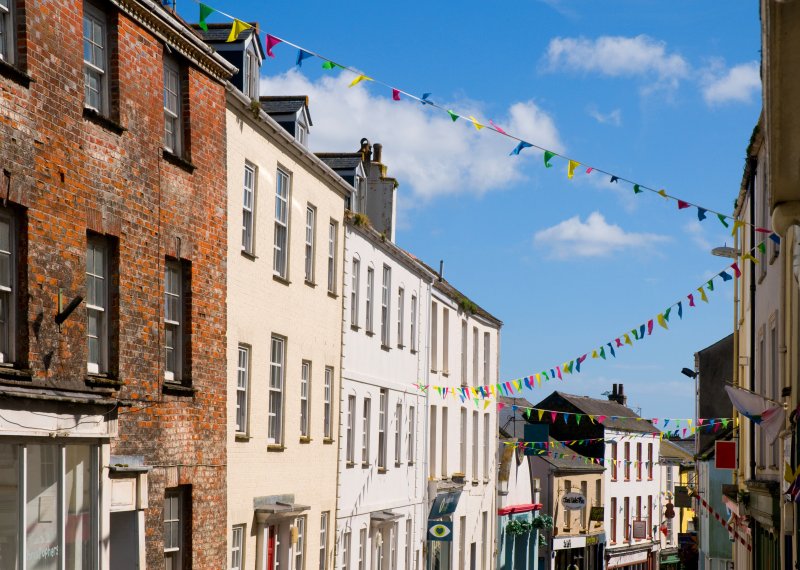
401 296
366 420
413 323
97 246
283 190
398 433
487 447
298 554
249 207
277 383
445 341
305 399
475 354
7 36
327 404
96 67
250 74
243 390
475 444
464 354
462 456
362 549
487 343
8 287
173 501
432 443
237 546
346 539
355 292
411 448
173 110
350 431
445 441
323 540
434 340
370 299
173 321
310 241
386 302
333 240
409 538
383 404
301 133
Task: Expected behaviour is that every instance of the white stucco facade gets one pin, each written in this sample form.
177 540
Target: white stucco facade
284 345
462 440
381 512
633 492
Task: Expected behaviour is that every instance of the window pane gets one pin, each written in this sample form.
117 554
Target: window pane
42 507
9 506
78 502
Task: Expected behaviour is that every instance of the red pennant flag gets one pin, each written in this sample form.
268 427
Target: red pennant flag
682 204
619 343
553 416
272 41
691 300
763 231
396 94
558 371
736 269
650 326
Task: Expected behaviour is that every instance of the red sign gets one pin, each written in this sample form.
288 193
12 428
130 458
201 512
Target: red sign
725 454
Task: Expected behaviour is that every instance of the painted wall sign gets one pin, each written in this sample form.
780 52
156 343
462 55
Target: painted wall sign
573 501
441 531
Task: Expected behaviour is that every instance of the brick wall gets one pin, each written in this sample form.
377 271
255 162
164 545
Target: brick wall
71 175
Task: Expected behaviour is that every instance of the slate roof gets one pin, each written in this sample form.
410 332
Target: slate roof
340 160
510 421
218 33
283 104
676 449
568 463
618 417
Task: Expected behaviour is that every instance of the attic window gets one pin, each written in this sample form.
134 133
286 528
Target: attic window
250 82
302 134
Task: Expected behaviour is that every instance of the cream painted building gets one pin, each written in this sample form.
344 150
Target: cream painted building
285 246
462 435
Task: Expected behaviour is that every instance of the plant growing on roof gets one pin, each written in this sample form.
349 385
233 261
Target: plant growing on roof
467 306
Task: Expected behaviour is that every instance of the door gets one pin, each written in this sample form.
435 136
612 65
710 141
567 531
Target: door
473 556
272 547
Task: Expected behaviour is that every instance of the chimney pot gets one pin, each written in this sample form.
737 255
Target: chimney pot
377 149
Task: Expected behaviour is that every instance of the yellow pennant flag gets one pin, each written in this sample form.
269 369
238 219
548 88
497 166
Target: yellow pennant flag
748 257
594 353
541 413
662 321
539 379
475 123
518 385
486 404
571 168
359 79
237 28
736 225
628 339
663 193
703 294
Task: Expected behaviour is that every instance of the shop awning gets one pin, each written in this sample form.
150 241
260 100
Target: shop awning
278 509
670 559
516 509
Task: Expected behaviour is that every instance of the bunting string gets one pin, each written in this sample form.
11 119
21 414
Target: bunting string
728 526
516 386
572 164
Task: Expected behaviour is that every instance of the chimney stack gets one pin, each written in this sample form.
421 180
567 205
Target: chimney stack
376 152
618 394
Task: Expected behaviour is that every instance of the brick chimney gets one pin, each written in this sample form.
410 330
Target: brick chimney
618 394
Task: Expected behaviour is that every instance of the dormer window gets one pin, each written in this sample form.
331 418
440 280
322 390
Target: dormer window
302 134
360 195
250 82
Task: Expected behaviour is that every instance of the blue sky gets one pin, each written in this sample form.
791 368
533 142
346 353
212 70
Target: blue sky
664 93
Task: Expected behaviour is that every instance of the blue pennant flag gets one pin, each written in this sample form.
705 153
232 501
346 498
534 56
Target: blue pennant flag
725 275
301 55
701 214
519 147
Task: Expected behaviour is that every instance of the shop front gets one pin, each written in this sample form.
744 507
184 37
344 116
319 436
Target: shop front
578 552
638 557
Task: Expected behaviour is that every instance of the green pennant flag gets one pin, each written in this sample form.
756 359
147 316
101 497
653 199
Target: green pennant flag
205 12
452 115
666 314
603 352
330 65
710 284
762 248
547 156
722 219
636 189
578 419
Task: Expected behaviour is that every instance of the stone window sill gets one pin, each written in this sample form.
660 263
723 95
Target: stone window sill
242 437
103 381
281 280
276 447
178 161
305 439
178 389
107 123
15 74
327 440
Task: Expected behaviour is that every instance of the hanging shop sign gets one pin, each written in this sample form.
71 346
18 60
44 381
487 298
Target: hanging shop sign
573 501
441 531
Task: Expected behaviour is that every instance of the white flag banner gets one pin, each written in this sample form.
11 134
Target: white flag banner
766 414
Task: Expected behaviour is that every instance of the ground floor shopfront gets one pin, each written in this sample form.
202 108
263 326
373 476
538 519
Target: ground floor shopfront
578 552
638 557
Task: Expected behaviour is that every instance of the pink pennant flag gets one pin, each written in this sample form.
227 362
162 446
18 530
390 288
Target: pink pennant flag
396 94
558 371
500 406
700 421
691 300
272 41
650 326
589 170
682 204
601 419
553 416
498 129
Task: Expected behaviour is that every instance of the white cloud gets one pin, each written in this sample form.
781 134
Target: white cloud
618 56
613 118
697 233
738 84
593 238
424 150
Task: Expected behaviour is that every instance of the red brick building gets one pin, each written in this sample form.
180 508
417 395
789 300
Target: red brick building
112 288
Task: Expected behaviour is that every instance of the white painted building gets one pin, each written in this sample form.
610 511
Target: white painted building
462 435
285 246
380 520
